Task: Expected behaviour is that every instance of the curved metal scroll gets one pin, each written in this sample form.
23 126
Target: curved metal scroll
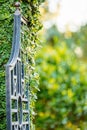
17 89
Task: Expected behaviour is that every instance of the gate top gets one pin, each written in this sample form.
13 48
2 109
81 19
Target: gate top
17 4
17 94
16 36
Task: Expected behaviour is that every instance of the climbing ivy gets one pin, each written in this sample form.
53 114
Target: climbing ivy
30 10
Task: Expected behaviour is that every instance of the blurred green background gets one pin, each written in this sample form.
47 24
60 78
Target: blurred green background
62 65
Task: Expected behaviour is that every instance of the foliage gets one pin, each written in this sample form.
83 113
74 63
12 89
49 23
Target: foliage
80 39
30 10
62 101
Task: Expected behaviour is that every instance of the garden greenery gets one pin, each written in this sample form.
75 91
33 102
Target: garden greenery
62 101
30 10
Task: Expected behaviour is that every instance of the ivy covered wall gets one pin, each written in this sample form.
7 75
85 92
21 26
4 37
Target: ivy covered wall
30 10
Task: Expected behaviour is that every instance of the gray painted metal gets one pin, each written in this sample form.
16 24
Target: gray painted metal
17 99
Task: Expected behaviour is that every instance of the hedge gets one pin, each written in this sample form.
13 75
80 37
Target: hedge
62 101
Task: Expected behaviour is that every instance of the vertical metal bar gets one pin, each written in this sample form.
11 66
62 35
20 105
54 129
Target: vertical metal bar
8 98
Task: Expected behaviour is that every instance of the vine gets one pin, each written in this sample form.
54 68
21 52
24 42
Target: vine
30 11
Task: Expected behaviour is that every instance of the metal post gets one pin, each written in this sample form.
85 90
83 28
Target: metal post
17 100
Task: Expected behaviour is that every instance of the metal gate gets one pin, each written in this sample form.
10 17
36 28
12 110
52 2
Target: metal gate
17 91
